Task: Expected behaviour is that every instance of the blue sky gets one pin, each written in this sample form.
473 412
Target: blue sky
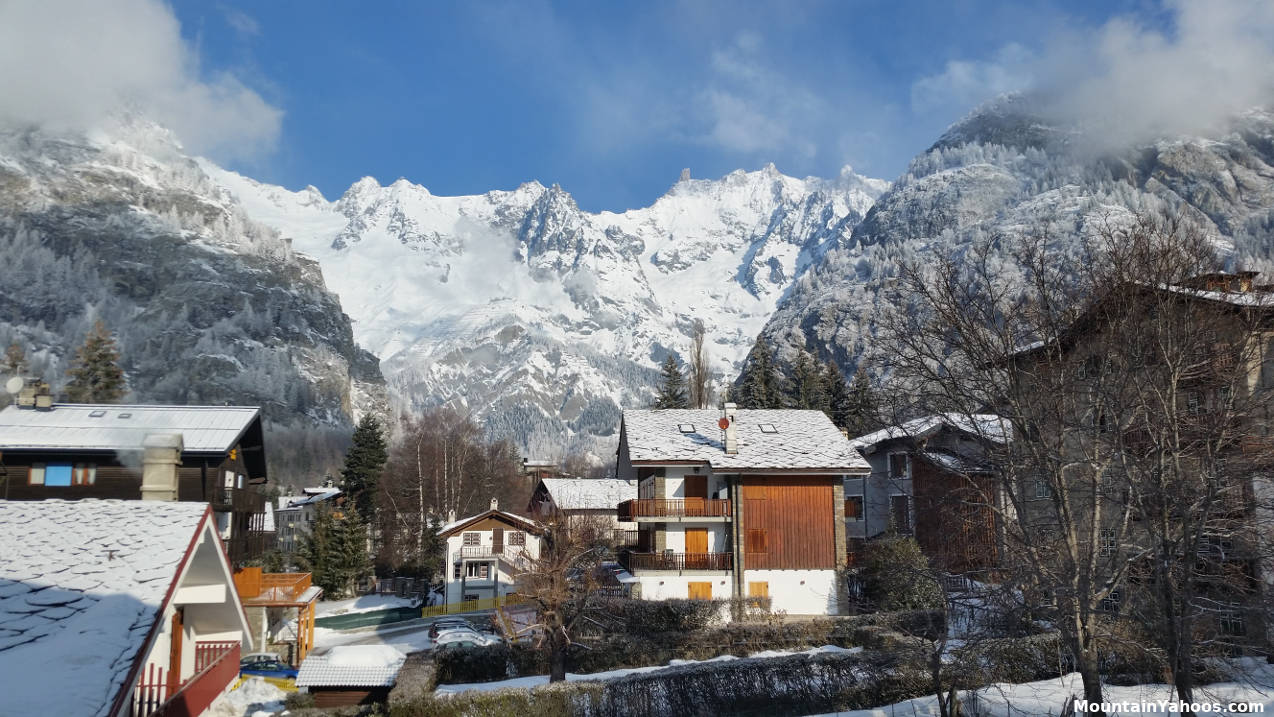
611 100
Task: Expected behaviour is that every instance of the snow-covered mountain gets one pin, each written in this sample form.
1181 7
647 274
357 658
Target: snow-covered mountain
208 305
1007 169
541 319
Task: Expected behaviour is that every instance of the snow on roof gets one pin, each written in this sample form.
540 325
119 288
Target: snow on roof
955 462
508 517
351 666
590 493
81 583
803 440
983 425
71 426
311 498
1258 299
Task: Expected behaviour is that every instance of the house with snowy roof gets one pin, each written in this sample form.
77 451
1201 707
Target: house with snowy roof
205 454
584 504
737 504
930 478
485 552
115 607
295 515
348 675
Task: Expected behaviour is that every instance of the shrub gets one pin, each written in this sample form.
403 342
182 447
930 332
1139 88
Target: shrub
896 576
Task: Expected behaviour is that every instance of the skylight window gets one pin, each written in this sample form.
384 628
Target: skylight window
125 415
686 427
97 414
768 428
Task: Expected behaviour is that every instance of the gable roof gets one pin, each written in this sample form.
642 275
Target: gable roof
980 425
351 666
81 586
802 440
516 521
589 493
103 427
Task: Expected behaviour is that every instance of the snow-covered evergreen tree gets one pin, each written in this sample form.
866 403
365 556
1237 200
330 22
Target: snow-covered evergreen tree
672 385
96 376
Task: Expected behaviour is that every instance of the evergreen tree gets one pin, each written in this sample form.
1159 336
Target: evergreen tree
335 551
759 386
95 373
863 406
839 406
672 385
364 463
807 384
15 360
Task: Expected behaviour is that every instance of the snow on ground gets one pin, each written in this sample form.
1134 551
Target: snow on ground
1255 683
254 698
366 603
537 680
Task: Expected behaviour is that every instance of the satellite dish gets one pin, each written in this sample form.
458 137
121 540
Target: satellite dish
14 385
724 423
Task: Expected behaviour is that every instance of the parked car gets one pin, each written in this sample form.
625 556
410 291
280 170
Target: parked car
464 638
266 664
449 623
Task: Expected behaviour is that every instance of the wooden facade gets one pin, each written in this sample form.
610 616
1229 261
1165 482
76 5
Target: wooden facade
789 522
955 525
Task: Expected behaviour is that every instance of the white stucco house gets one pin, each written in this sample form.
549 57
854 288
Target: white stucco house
485 552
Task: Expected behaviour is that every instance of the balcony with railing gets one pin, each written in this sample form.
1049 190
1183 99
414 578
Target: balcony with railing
158 695
513 555
236 500
675 509
633 561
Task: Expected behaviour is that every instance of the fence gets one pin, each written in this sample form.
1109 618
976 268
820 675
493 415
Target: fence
471 606
676 561
216 666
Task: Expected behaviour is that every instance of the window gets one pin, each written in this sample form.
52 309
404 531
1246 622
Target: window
84 474
472 539
1106 542
1089 367
1194 403
35 474
1232 623
898 465
57 474
900 512
1043 490
686 427
479 571
854 507
517 537
768 428
756 542
470 597
455 575
699 590
758 589
1110 604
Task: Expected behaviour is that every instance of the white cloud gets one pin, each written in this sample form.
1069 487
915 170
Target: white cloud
240 21
73 63
965 83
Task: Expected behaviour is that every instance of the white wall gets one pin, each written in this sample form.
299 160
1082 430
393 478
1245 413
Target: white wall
817 596
718 540
664 587
505 573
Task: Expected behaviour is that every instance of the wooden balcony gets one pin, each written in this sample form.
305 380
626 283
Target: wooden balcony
243 547
216 667
277 589
675 509
675 561
236 500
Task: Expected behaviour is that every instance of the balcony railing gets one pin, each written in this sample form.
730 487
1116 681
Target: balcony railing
252 584
676 561
216 666
514 555
243 547
236 500
674 508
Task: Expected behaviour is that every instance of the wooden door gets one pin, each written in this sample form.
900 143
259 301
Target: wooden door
174 653
497 541
696 490
696 548
699 591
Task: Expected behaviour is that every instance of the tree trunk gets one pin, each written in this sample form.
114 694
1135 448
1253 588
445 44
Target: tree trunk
1092 679
557 663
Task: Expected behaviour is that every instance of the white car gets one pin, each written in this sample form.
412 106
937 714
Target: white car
464 638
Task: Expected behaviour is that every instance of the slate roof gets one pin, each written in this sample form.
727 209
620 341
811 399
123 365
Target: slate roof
982 425
72 426
590 493
351 666
81 583
803 440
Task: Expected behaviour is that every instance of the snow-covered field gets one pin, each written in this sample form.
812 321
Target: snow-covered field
254 698
365 603
1253 683
536 680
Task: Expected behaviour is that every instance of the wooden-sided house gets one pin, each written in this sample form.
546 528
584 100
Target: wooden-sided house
738 503
113 607
205 454
485 552
929 478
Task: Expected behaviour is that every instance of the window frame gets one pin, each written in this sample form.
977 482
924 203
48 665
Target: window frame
33 470
471 539
893 512
858 514
515 538
906 465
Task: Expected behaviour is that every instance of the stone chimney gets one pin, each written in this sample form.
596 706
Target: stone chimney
731 433
161 454
495 504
